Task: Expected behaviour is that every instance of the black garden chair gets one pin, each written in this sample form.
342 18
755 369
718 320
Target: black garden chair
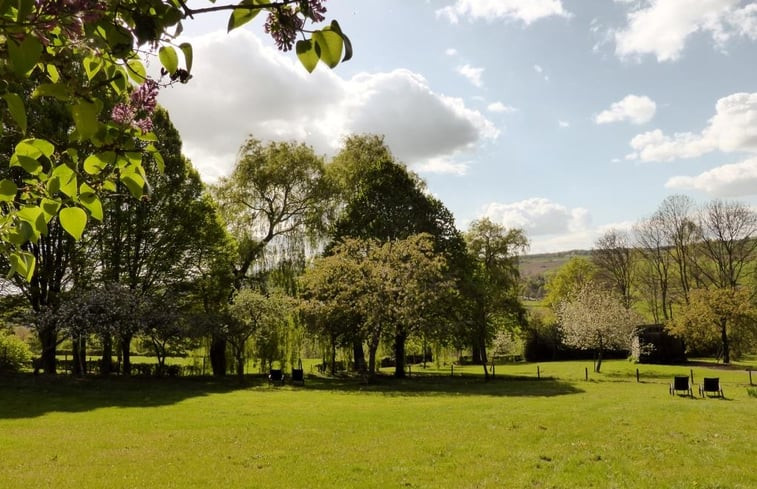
681 384
711 385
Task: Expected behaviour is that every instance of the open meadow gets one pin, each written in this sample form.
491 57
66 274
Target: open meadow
428 431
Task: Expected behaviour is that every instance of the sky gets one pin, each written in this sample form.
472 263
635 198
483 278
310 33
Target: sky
565 118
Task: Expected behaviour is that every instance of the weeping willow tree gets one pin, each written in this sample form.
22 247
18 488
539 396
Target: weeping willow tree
274 203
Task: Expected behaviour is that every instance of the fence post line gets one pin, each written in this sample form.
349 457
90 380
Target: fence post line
452 370
637 376
750 377
586 373
691 373
538 373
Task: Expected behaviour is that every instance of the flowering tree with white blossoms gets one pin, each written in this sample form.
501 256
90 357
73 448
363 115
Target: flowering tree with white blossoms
595 319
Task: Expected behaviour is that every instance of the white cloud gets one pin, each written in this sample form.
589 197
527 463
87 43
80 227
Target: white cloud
634 108
527 11
538 69
538 216
563 124
662 27
733 128
443 165
472 74
450 52
269 95
734 180
500 107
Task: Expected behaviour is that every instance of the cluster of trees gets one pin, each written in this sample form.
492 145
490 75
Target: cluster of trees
352 253
692 269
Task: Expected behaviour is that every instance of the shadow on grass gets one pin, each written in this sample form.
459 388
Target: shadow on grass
27 396
436 385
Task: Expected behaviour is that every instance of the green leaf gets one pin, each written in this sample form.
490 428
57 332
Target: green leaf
157 157
347 43
136 70
91 201
31 165
135 183
96 163
307 54
60 91
241 16
169 59
24 56
67 181
85 118
186 48
92 65
36 218
16 108
43 145
73 220
330 46
8 191
23 263
50 208
52 73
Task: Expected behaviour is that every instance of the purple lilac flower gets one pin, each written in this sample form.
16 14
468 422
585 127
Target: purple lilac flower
283 27
145 97
122 114
144 124
313 9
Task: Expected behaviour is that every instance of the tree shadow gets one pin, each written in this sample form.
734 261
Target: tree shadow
437 385
28 396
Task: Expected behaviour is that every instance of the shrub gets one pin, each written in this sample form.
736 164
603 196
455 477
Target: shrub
14 353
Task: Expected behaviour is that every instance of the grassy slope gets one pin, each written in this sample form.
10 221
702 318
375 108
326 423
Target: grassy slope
425 432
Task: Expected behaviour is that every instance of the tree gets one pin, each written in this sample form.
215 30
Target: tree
493 287
86 53
254 314
614 256
568 279
596 319
724 318
675 214
276 194
656 267
151 244
383 200
728 242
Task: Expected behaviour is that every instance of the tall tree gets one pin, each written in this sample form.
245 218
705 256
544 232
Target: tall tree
676 216
493 289
276 195
383 200
615 257
656 269
568 279
150 244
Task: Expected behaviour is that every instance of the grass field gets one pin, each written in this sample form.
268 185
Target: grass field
429 431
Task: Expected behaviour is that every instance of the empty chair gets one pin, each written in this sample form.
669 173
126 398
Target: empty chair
298 375
712 385
276 376
681 383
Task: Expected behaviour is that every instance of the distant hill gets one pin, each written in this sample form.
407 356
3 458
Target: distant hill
540 264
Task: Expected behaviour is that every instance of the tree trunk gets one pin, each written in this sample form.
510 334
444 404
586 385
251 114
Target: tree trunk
333 356
126 354
372 349
48 337
399 354
359 354
240 365
218 355
107 358
726 342
79 355
599 361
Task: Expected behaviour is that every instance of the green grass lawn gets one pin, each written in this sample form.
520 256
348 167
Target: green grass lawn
429 431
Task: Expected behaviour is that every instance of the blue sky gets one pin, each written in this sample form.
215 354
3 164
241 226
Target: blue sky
562 117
